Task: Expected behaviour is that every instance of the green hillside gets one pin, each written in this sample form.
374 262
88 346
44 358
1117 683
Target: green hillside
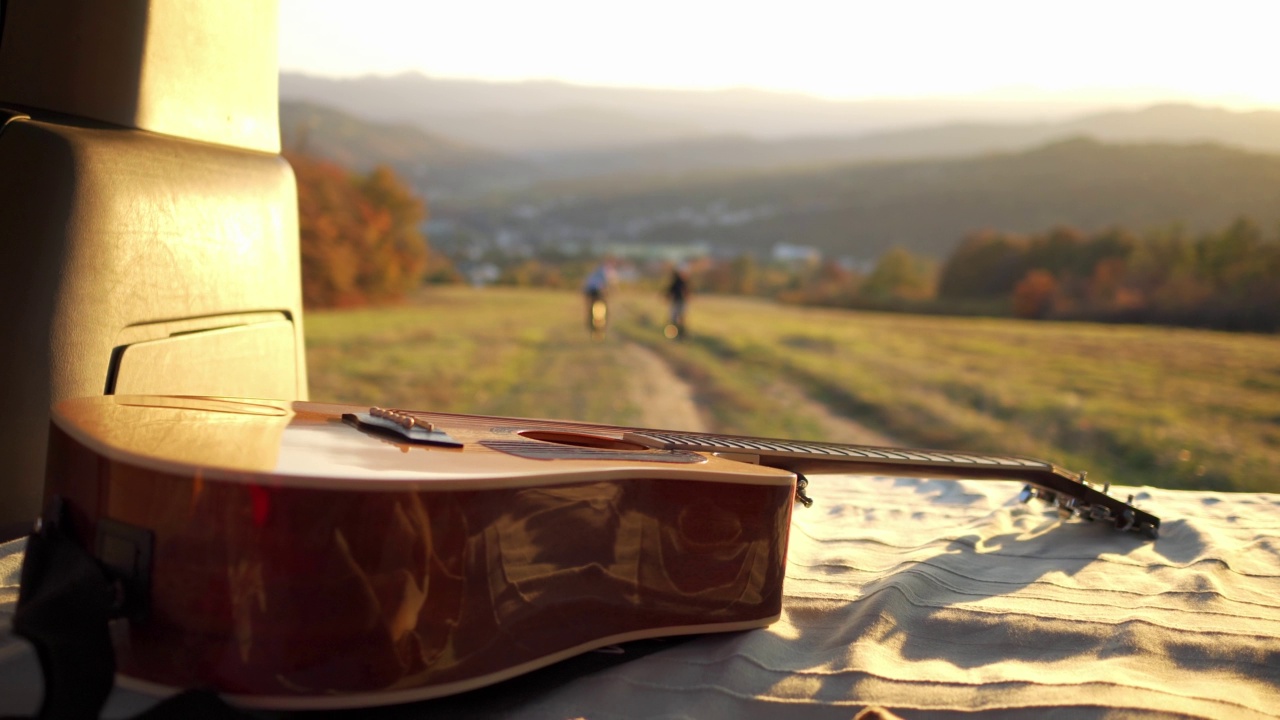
444 165
1256 131
860 210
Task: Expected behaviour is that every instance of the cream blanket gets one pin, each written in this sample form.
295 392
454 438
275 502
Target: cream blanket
933 598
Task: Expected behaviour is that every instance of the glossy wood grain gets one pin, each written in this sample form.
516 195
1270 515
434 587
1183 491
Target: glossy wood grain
302 562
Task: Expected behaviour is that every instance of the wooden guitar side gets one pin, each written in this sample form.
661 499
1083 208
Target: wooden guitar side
297 561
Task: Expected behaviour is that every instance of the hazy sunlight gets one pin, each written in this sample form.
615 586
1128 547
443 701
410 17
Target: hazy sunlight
1137 52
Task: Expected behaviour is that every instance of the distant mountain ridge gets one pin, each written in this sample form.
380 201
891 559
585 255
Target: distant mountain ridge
436 165
926 206
537 118
357 143
446 167
1257 131
459 138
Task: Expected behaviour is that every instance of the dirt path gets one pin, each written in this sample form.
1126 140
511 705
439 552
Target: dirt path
667 402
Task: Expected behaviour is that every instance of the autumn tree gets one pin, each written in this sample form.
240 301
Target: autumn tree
397 249
826 283
1033 295
987 264
359 235
899 275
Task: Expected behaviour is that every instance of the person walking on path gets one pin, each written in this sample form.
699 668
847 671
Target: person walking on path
596 291
678 294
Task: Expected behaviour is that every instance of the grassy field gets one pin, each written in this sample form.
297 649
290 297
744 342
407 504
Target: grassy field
522 353
1133 405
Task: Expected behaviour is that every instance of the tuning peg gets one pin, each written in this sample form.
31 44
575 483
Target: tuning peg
801 483
1125 520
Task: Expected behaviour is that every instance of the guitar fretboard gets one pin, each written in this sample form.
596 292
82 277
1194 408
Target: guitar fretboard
804 449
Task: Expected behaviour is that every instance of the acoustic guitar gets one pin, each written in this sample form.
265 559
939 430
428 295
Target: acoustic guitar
296 555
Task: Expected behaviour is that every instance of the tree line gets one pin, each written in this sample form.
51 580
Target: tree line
1227 279
361 243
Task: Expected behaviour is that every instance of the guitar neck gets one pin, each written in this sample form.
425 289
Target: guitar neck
1068 491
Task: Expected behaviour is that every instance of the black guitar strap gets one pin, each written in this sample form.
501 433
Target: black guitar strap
64 604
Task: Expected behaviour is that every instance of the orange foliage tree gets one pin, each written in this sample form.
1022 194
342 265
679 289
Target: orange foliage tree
1034 293
359 236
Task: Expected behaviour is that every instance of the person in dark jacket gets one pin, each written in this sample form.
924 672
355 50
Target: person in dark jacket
678 294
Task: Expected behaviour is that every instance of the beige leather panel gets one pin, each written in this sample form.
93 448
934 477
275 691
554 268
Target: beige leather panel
199 69
104 229
249 361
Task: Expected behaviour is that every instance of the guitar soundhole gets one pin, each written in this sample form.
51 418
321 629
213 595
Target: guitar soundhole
582 440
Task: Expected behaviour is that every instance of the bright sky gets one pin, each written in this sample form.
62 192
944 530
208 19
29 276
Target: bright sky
1220 51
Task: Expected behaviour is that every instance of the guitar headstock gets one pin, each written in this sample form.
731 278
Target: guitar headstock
1074 496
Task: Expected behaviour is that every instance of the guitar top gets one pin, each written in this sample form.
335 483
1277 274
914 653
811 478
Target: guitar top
304 555
303 444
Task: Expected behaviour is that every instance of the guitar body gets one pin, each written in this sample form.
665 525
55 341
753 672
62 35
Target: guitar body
291 558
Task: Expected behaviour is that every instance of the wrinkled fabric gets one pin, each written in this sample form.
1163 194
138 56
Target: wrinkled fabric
936 599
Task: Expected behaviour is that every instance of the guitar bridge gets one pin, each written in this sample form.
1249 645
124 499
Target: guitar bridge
402 424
